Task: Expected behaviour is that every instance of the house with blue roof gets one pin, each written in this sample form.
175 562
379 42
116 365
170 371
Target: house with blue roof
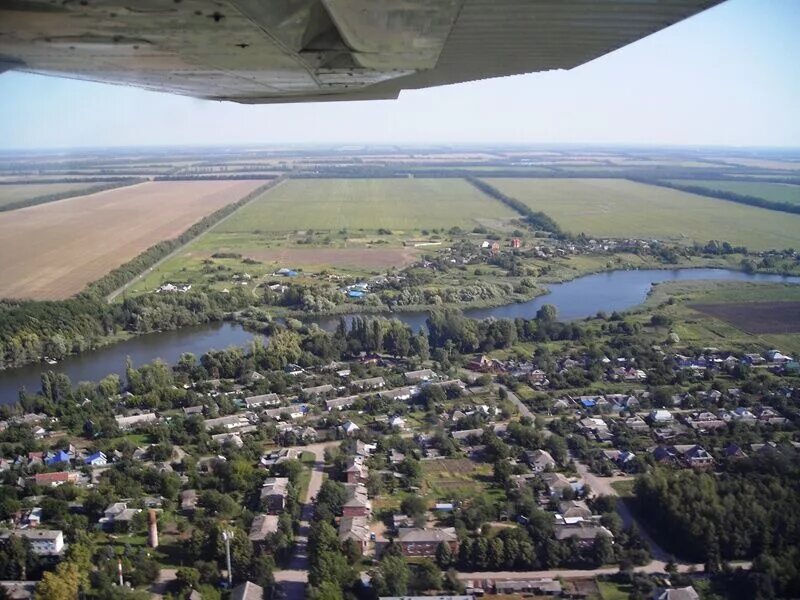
58 457
98 459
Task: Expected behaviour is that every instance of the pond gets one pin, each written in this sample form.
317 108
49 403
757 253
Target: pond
579 298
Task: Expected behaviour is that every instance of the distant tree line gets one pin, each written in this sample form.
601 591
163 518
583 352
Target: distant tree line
215 177
726 195
68 193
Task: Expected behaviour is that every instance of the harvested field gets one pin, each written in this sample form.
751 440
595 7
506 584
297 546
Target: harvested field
13 193
53 250
359 258
622 208
370 204
756 317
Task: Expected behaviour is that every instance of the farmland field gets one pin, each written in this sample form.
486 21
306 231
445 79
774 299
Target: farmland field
333 204
774 192
622 208
53 250
12 193
756 317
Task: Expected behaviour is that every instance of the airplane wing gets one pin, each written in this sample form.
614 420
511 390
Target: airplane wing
261 51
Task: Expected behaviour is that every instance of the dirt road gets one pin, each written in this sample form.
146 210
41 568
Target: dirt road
293 579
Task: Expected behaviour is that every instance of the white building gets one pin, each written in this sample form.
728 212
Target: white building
44 542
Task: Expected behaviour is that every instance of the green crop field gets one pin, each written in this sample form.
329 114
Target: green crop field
12 193
774 192
622 208
370 204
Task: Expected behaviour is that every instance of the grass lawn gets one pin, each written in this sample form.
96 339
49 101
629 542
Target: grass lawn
696 328
171 551
774 192
369 204
308 459
624 488
444 478
622 208
614 591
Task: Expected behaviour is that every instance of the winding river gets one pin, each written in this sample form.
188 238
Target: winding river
581 297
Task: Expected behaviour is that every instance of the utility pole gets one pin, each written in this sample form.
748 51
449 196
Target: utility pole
227 535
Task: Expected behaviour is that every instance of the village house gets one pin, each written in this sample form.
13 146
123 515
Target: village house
97 459
274 494
262 527
584 534
356 471
317 391
597 428
118 516
660 416
349 428
686 455
248 590
621 458
340 403
465 435
188 411
355 528
537 377
357 503
557 484
189 500
229 422
228 439
44 542
539 460
277 457
262 400
683 593
293 411
135 421
417 541
637 424
56 479
419 376
401 394
372 383
574 509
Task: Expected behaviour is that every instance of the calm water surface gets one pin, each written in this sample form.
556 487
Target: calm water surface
582 297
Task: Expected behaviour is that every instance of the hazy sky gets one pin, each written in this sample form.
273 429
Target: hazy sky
729 76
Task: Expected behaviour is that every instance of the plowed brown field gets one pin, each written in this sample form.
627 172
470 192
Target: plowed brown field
53 250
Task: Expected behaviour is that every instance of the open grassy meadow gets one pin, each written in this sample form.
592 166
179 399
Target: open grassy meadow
622 208
53 250
695 327
368 204
774 192
13 193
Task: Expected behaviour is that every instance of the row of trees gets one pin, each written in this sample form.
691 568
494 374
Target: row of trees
536 219
730 196
89 189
